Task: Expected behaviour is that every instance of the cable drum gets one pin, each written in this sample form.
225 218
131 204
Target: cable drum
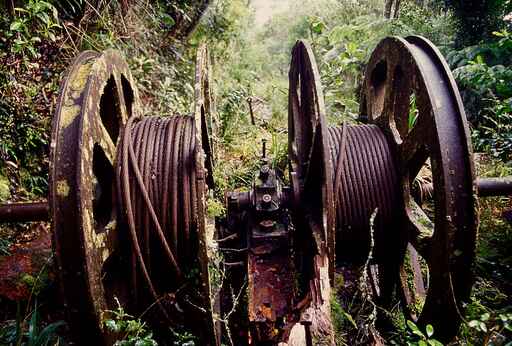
158 193
364 179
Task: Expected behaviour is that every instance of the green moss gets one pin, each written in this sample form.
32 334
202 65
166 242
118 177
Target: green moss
215 208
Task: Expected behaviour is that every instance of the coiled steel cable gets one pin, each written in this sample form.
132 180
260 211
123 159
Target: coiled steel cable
156 170
365 179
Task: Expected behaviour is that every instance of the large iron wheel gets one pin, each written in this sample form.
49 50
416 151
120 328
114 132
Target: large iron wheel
402 73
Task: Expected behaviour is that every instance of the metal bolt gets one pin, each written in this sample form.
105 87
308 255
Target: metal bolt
306 318
266 199
264 172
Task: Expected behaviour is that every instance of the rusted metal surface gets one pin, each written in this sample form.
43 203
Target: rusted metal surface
96 98
308 152
205 120
270 266
400 69
162 185
24 212
281 308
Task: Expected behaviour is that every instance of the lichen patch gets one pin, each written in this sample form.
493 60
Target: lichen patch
68 115
62 188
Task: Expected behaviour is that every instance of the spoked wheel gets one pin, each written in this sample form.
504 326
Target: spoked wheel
96 98
411 94
312 206
308 151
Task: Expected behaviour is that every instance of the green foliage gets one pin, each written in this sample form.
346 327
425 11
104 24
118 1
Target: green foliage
184 339
494 132
215 208
341 319
29 331
4 246
223 25
487 326
35 21
24 138
343 35
414 336
487 323
478 19
430 21
130 331
5 193
484 75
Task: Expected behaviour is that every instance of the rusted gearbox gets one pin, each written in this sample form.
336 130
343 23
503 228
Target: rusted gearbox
128 205
288 282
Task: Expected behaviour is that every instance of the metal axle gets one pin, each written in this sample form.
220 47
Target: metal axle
25 212
494 186
40 211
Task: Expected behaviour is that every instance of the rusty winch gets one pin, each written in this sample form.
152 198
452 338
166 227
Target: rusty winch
128 204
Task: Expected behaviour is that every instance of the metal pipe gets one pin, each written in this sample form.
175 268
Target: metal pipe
25 212
494 186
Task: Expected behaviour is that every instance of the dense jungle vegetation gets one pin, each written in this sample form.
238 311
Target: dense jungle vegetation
251 58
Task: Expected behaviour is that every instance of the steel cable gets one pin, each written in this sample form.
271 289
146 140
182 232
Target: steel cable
156 172
365 179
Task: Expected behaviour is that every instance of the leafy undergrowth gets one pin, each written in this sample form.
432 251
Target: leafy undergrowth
488 316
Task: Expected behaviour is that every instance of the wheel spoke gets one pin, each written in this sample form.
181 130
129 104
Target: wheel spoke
124 108
411 283
396 100
420 229
413 150
105 142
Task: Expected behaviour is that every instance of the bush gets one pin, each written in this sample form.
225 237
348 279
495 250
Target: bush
484 76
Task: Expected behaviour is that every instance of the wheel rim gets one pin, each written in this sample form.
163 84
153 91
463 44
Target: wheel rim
310 166
398 69
96 98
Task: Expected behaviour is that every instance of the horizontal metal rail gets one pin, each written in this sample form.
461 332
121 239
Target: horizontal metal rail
40 211
25 212
494 186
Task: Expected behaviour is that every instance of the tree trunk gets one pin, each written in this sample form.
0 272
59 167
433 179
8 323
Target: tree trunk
397 8
387 9
9 5
183 27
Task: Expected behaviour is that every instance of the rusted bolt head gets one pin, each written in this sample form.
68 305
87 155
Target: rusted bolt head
266 199
306 318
